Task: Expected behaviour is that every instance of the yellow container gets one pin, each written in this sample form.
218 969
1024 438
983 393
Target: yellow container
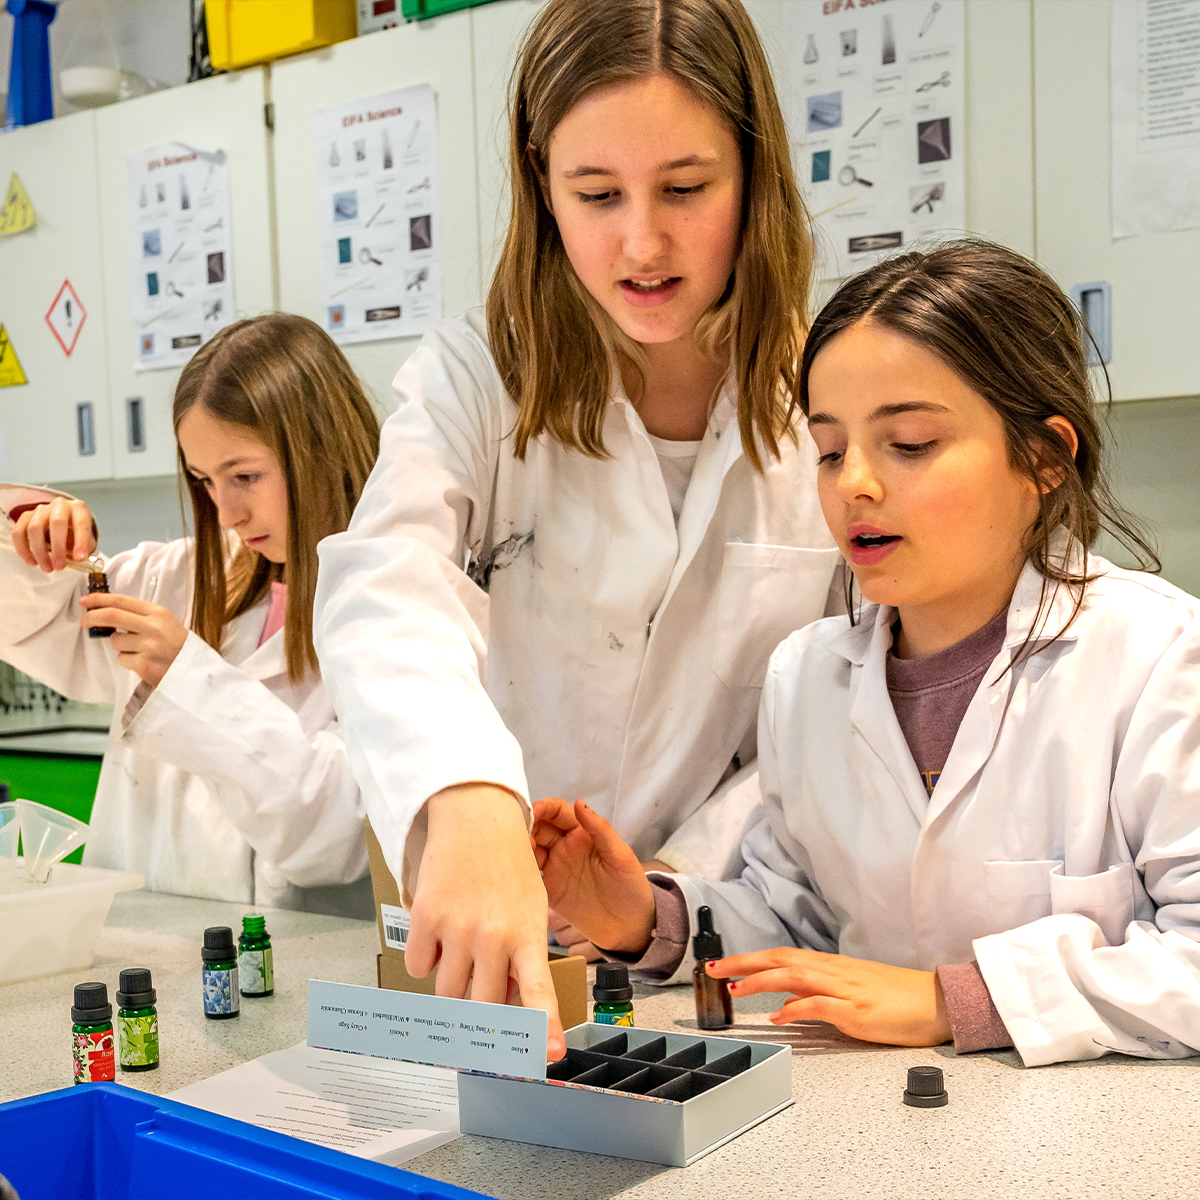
242 33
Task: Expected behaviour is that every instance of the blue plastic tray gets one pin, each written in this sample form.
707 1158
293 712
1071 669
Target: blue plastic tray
102 1141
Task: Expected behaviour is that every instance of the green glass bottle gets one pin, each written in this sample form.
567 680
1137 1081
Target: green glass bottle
137 1021
256 964
613 995
92 1034
222 999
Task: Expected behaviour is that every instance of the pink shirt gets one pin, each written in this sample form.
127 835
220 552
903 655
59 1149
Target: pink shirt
276 613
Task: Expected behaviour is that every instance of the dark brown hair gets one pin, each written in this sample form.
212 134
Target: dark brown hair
554 346
1006 329
282 377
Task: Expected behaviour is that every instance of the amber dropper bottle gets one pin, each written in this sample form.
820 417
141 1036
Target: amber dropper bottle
714 1005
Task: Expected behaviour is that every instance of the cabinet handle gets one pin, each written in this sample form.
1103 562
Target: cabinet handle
1094 302
85 427
135 423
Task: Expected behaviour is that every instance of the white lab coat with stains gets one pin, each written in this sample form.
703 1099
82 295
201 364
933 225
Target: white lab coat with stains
590 649
225 780
1060 847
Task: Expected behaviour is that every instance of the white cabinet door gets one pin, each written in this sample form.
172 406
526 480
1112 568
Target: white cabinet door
222 113
1154 309
55 427
437 52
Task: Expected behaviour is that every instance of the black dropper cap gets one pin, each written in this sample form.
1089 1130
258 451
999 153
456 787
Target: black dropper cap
925 1088
707 942
612 983
135 989
91 1005
218 944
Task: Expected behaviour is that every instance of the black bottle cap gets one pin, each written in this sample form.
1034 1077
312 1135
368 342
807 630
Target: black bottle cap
218 944
925 1088
91 1005
707 942
135 989
612 983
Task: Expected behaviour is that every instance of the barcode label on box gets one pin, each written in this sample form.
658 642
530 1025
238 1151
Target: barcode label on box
395 926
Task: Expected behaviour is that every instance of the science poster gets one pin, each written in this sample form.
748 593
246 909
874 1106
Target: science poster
181 269
876 121
378 228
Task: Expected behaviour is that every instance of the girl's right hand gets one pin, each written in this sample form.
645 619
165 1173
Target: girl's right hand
48 535
592 878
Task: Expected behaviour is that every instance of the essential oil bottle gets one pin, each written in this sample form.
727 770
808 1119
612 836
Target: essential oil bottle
714 1005
613 995
222 998
137 1020
92 1034
98 582
256 966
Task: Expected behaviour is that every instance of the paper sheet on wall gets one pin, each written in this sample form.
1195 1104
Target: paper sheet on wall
181 269
1155 116
378 224
373 1108
876 120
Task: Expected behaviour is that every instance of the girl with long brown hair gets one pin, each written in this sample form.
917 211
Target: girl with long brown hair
982 792
594 513
225 775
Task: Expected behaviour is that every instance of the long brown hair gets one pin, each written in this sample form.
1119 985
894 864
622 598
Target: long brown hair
555 347
283 377
1006 329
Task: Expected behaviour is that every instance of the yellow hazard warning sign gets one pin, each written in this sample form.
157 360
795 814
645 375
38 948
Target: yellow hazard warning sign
11 373
16 213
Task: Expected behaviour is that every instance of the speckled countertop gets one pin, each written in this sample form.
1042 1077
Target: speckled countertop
1113 1128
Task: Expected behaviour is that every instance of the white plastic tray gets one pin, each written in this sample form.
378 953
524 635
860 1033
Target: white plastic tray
54 926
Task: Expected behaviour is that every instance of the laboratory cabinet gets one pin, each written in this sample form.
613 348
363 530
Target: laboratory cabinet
1152 276
56 425
437 52
225 113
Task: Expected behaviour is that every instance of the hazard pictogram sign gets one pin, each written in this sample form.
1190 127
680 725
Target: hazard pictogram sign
16 213
66 317
11 373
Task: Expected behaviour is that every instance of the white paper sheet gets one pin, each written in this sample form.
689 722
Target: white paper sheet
876 120
180 264
1155 116
373 1108
379 234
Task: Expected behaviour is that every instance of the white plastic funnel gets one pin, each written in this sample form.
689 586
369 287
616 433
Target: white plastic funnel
10 827
47 837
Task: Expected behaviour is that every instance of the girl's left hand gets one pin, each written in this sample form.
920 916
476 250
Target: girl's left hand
866 1000
148 636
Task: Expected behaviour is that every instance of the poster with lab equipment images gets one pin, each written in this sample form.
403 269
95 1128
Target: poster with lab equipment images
875 114
378 228
181 269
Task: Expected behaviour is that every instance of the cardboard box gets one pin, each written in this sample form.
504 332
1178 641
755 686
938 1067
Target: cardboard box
639 1093
569 973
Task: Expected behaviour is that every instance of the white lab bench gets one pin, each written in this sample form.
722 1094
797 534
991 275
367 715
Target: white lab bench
1114 1127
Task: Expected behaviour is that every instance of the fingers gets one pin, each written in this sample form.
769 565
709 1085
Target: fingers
20 539
587 949
490 981
607 840
762 960
554 812
782 979
82 541
531 970
839 1013
422 950
129 604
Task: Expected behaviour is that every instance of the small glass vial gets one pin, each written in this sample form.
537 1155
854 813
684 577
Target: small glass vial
98 582
137 1021
613 995
714 1004
222 997
92 1034
256 966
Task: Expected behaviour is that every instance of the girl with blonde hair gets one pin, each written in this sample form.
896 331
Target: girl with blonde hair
593 516
225 774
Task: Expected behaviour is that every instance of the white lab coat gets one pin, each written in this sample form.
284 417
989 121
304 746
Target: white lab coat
224 781
611 657
1060 848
